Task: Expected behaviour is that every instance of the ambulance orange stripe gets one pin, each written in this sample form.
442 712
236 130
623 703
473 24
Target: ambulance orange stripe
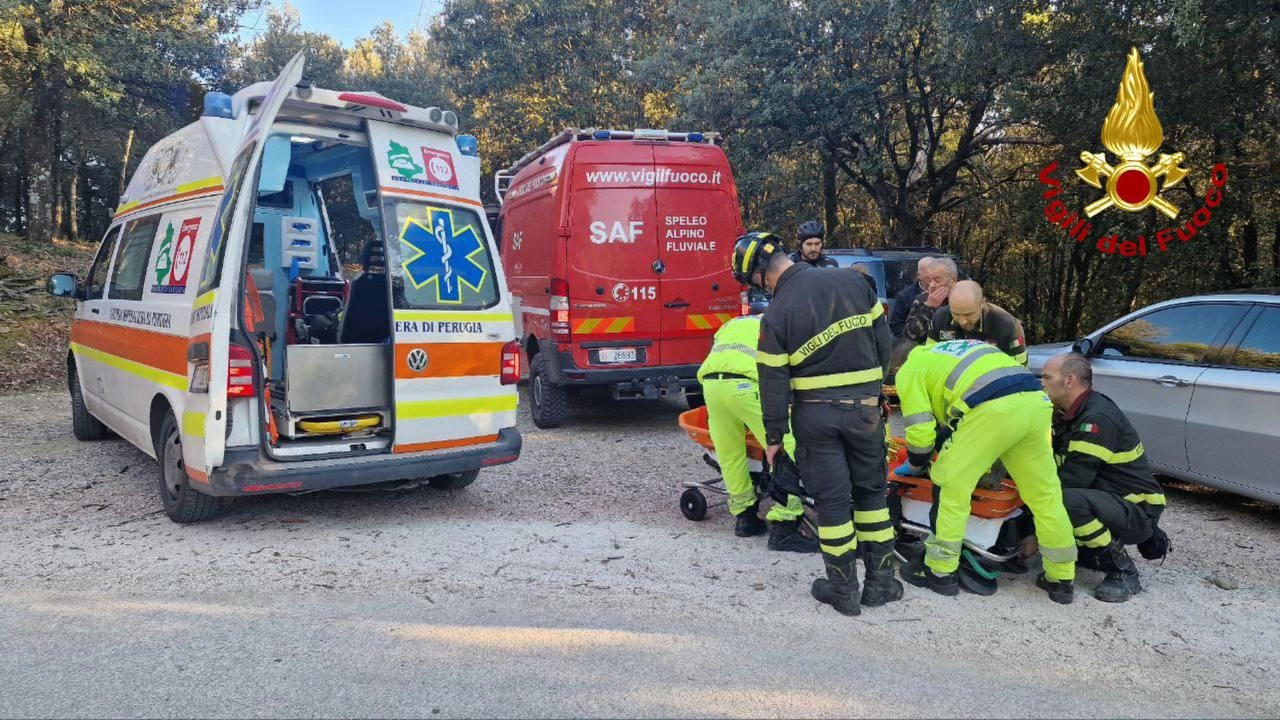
444 444
451 360
431 196
146 347
170 199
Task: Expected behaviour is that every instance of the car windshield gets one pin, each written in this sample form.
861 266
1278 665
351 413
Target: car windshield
898 274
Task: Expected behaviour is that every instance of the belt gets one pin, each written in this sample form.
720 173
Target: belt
726 376
868 401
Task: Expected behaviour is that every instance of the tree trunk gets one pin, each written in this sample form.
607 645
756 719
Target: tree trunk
124 162
72 226
829 200
1249 249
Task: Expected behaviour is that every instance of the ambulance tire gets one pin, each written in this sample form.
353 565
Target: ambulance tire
84 425
550 402
182 503
454 481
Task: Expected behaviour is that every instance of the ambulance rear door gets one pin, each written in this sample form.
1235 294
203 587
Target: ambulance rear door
698 220
612 263
451 307
213 316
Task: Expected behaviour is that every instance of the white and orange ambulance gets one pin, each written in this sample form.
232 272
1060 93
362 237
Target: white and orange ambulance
218 330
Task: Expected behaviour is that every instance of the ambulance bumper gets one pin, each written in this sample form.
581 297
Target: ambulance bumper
248 472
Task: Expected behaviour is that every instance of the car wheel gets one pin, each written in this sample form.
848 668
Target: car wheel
550 403
454 481
83 424
182 503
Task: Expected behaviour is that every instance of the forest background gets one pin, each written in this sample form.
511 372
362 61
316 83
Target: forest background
893 121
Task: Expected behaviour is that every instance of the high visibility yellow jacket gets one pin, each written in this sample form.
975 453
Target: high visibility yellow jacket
734 349
941 382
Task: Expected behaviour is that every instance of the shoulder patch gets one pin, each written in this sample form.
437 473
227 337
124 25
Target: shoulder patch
1090 428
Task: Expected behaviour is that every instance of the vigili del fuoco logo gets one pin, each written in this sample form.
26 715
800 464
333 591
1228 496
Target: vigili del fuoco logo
1132 133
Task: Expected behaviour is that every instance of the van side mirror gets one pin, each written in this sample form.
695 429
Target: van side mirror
65 285
1084 346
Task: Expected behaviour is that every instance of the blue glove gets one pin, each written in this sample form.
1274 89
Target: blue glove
906 469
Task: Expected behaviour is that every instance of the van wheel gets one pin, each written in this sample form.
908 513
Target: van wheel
550 401
454 481
83 425
694 400
182 503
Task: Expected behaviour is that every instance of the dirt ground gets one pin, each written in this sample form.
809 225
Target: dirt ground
588 517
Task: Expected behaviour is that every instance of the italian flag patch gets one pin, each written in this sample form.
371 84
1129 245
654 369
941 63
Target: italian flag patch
1089 428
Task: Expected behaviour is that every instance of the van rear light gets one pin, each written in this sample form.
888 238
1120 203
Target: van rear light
511 363
560 310
239 371
746 303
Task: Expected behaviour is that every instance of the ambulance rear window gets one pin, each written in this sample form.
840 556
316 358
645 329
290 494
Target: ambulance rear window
441 258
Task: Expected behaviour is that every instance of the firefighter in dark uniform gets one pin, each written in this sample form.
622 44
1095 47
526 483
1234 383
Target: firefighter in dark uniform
811 235
968 316
1107 486
824 347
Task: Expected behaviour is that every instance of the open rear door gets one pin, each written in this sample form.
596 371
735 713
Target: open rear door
204 421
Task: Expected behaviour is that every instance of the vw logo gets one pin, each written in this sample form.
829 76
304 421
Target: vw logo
417 360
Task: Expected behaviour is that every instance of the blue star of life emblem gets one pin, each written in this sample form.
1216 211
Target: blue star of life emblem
436 252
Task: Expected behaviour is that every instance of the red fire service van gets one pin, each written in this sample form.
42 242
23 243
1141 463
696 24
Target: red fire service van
616 248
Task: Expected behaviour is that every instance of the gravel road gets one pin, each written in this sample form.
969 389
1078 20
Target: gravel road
567 584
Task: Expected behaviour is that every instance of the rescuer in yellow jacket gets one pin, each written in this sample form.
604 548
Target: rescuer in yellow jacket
731 389
998 412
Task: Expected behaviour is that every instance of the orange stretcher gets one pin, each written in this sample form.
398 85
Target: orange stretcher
990 508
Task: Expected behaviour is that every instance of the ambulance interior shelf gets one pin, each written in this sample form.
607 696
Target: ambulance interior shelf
328 368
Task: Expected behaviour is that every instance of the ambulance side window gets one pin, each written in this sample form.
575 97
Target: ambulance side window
128 276
96 281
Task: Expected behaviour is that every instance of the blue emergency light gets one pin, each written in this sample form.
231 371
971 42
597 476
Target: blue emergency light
468 145
218 105
695 137
601 135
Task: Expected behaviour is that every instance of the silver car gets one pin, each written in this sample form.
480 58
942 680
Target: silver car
1199 378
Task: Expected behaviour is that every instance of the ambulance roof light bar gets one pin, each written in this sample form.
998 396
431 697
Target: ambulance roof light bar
366 104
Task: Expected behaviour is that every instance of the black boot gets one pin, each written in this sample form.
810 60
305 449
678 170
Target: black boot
1062 592
1122 581
839 588
881 586
785 535
919 574
749 523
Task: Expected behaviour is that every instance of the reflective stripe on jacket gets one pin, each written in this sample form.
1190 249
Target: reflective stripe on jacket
734 349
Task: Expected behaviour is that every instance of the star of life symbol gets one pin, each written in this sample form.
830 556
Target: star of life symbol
1132 131
438 253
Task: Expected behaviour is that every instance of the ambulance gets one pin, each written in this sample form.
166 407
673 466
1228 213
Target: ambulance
616 245
219 330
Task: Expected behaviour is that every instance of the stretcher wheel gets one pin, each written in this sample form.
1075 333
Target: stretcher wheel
693 504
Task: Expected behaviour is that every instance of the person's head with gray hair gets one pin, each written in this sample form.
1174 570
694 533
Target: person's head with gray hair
1065 378
945 268
922 271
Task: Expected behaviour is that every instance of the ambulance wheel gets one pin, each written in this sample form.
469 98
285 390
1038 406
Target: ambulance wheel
454 481
694 400
550 403
182 503
693 504
83 425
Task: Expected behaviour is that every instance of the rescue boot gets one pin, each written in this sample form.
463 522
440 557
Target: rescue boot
881 586
1122 581
785 535
839 588
1062 592
749 524
919 574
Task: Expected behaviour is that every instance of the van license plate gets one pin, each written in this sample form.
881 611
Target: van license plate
617 355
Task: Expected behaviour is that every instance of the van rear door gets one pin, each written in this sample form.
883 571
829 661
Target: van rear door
451 308
698 220
204 420
612 256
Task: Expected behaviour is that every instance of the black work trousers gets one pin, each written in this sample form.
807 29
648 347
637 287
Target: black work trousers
1098 517
840 451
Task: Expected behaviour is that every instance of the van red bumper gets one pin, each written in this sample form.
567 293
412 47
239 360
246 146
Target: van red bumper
249 472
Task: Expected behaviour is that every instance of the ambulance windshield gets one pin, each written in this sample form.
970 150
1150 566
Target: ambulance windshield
441 259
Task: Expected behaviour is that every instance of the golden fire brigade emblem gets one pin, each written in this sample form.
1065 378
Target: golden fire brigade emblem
1132 131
